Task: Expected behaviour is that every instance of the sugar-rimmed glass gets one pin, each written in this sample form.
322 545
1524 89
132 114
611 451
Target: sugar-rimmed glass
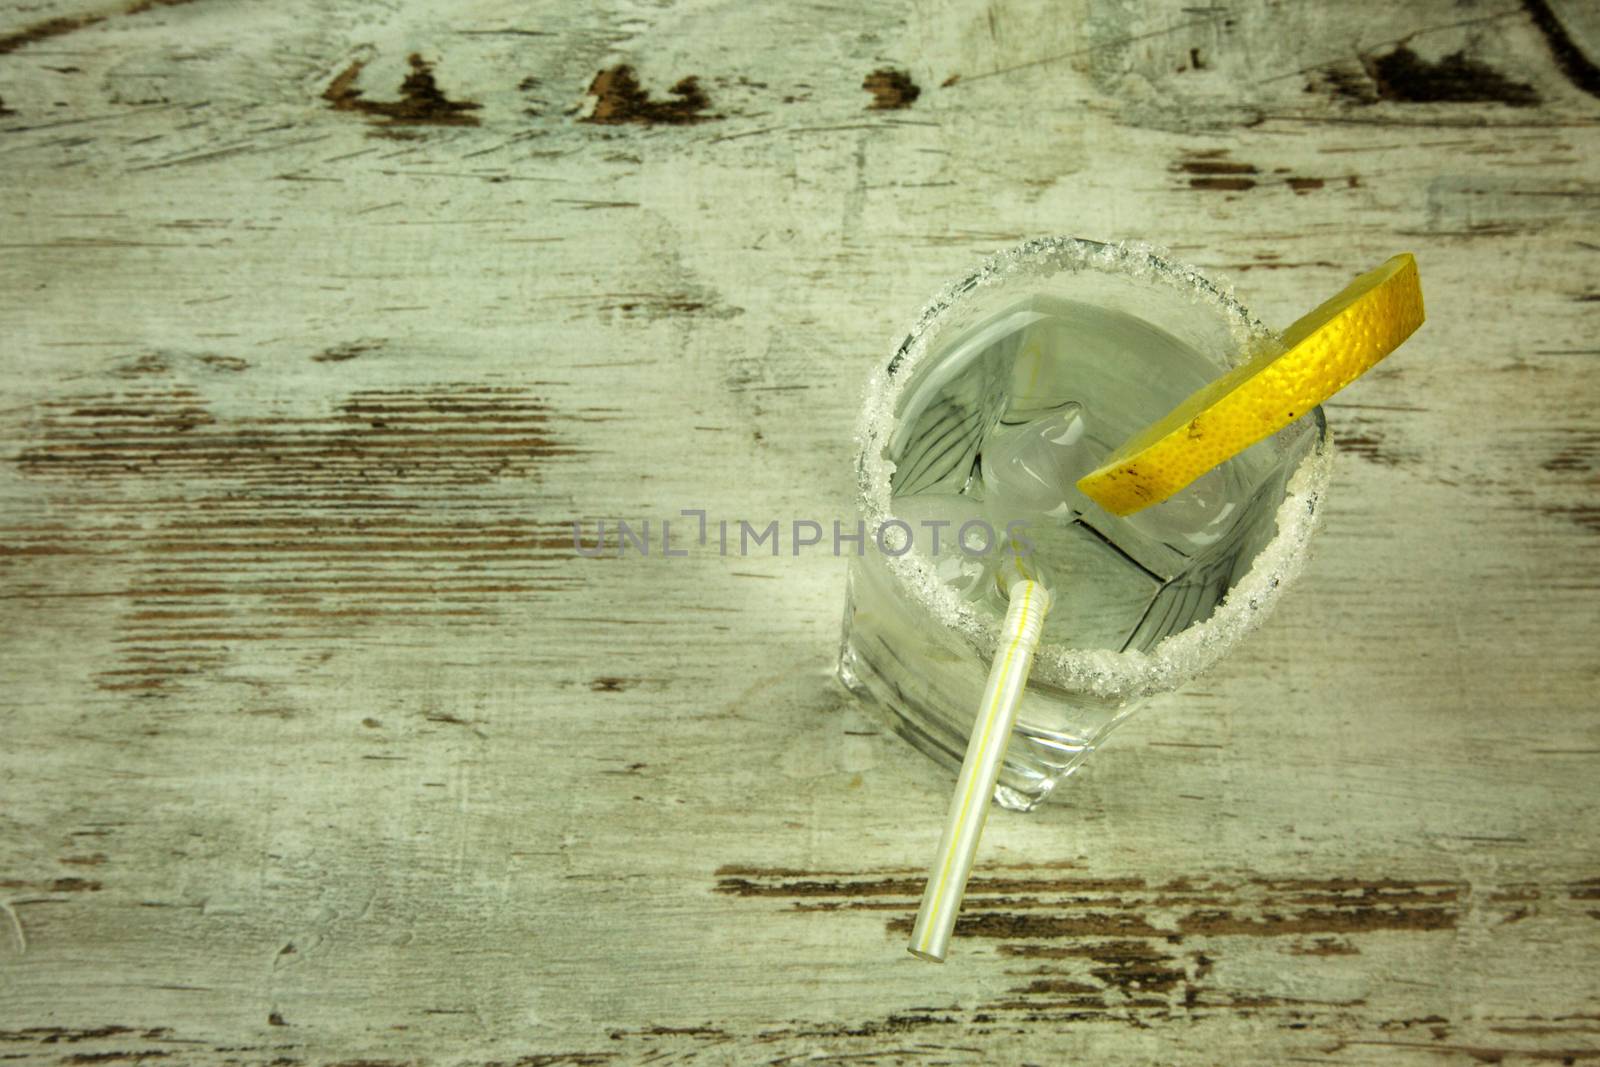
917 646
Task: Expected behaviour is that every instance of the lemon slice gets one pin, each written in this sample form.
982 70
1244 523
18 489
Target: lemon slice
1322 353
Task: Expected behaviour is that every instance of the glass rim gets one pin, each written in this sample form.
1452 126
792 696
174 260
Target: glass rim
1107 674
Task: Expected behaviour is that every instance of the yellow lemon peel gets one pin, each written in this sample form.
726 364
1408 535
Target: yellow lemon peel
1322 353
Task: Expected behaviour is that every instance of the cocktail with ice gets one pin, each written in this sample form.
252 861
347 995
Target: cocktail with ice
1017 381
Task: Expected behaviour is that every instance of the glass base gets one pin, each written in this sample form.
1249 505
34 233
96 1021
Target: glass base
1034 764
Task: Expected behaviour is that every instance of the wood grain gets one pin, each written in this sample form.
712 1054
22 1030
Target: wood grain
323 323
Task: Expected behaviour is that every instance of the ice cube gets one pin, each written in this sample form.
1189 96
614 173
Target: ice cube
1196 516
1033 468
936 521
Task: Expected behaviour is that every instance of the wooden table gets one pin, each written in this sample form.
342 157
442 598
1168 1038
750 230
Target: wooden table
321 745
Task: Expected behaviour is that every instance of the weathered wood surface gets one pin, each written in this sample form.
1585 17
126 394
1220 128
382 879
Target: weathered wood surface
322 746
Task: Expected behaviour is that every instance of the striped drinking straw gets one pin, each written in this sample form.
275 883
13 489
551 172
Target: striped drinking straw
986 751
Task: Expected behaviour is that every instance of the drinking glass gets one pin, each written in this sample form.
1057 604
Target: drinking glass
1014 381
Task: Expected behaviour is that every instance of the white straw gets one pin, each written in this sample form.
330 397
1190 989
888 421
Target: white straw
986 751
